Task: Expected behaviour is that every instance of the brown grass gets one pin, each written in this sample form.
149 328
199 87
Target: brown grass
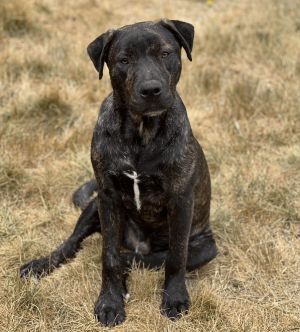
243 98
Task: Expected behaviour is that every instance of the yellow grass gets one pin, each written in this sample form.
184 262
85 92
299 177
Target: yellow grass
242 92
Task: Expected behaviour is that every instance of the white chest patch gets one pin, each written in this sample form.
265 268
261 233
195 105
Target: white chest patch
136 190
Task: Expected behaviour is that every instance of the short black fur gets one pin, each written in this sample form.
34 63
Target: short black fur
143 132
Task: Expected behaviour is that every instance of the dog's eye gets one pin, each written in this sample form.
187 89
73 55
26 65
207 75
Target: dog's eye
165 54
125 61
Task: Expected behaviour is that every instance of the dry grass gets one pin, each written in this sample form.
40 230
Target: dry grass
242 93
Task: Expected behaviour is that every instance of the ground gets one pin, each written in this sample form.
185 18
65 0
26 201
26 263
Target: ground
243 99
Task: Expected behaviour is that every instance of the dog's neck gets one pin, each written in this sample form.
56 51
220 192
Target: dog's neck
145 128
137 127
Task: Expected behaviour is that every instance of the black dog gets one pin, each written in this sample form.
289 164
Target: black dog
153 182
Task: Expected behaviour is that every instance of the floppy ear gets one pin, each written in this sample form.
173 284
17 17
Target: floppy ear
97 50
183 32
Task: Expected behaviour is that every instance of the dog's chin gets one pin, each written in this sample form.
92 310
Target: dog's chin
154 110
151 113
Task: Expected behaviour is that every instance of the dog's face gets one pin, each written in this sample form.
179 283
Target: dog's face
144 61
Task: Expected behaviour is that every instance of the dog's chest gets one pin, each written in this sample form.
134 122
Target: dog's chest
136 189
140 192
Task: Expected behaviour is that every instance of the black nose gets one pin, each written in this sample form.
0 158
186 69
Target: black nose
150 89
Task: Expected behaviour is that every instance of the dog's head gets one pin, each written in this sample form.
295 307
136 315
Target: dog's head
144 61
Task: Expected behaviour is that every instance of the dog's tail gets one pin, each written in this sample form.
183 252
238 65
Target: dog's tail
83 195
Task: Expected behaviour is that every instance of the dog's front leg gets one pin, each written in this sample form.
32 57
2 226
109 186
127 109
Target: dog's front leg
175 301
109 308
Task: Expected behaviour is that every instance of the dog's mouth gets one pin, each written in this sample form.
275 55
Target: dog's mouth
152 114
151 109
149 113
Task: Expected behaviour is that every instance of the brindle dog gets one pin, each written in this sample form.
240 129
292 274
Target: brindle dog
152 178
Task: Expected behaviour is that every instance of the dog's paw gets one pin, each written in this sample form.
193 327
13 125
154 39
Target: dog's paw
109 311
37 268
175 303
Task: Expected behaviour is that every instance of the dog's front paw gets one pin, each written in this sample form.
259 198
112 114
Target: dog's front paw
37 268
110 310
175 302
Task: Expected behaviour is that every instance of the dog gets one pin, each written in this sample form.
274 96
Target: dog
152 186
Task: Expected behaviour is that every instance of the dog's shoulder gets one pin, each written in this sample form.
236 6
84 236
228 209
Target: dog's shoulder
108 121
107 104
106 142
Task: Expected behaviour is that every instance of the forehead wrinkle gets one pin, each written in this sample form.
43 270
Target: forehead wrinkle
142 41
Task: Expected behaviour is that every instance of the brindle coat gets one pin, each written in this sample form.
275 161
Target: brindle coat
152 178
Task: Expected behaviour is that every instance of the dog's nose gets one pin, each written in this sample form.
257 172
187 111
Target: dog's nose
150 89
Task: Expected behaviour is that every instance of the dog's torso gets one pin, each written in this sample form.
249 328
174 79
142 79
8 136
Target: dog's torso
144 168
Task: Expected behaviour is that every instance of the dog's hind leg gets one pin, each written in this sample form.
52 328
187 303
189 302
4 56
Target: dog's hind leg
83 195
87 224
201 250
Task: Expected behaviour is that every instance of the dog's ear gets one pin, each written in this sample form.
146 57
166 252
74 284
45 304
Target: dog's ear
183 32
97 50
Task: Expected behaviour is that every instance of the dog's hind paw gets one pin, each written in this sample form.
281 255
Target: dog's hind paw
37 268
